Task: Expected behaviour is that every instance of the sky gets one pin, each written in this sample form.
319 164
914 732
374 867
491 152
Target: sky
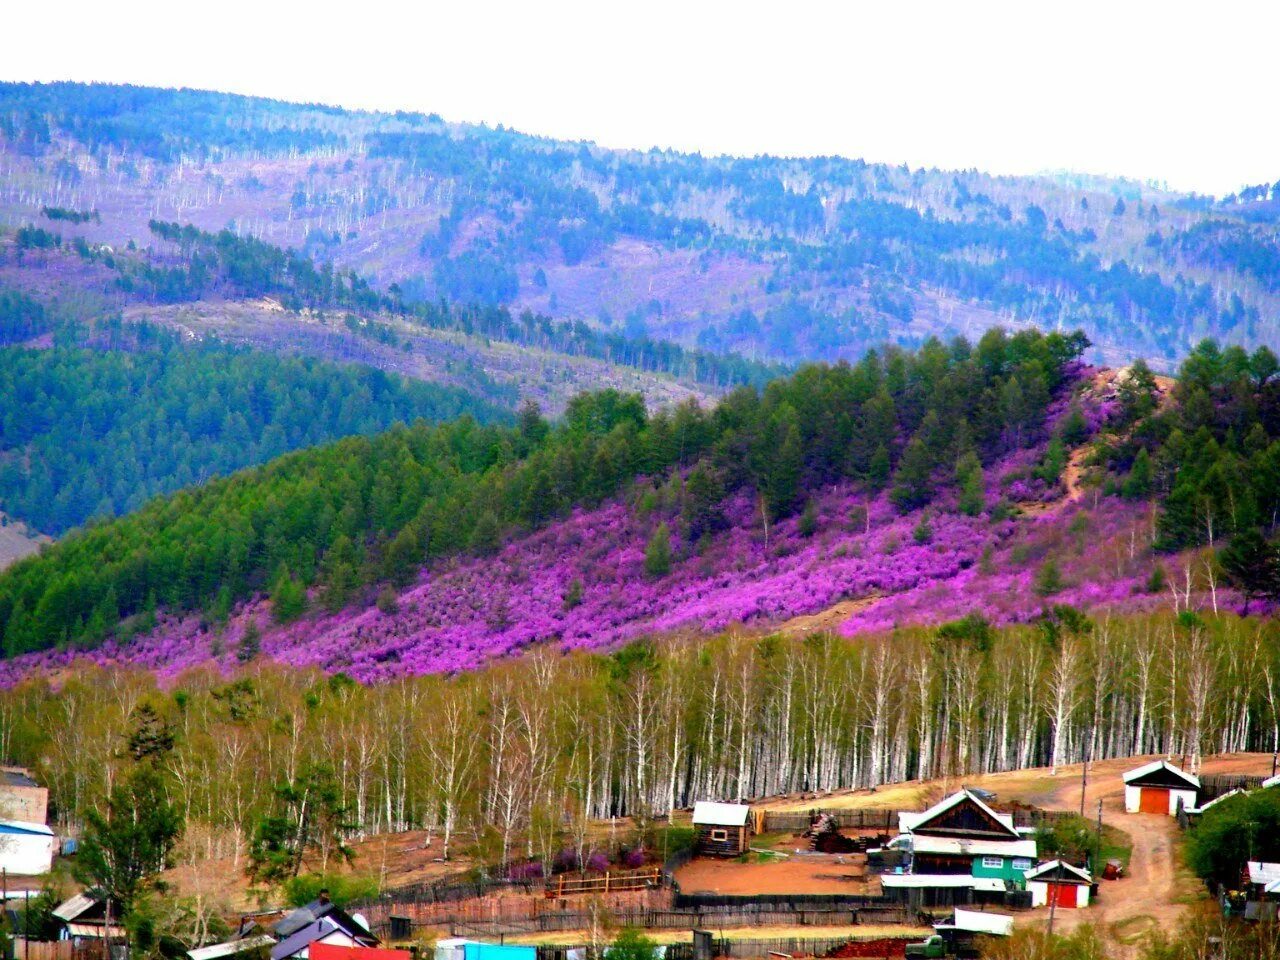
1173 92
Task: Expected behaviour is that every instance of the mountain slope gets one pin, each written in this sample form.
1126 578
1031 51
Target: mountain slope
364 511
787 258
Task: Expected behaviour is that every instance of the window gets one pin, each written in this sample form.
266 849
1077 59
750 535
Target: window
1021 863
993 863
719 836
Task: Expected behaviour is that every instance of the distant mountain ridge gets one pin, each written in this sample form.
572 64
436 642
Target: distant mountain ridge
788 259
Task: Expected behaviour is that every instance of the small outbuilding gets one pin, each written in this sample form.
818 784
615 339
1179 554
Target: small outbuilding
25 848
1159 787
1059 883
721 829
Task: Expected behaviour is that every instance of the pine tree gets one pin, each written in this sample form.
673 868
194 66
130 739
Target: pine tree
1137 485
1252 565
973 496
657 553
913 481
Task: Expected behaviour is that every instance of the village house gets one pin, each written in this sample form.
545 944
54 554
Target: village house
721 829
83 918
1160 787
1060 884
961 842
319 922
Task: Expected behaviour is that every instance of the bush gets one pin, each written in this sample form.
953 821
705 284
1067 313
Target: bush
1243 827
343 888
631 944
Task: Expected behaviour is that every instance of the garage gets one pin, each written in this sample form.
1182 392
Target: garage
1063 895
1060 885
1153 800
1161 788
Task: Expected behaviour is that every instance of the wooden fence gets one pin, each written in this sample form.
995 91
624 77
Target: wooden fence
1215 785
688 919
562 886
24 949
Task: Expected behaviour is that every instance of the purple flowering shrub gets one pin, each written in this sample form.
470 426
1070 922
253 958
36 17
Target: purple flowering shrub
461 613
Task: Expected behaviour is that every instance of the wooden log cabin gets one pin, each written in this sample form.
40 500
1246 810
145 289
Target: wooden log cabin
721 829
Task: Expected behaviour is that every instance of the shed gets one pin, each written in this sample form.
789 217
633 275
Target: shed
1058 882
25 848
1159 787
721 829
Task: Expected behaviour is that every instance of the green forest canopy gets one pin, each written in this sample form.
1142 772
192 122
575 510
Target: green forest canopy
386 504
94 432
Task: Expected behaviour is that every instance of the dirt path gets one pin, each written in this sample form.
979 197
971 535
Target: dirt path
825 620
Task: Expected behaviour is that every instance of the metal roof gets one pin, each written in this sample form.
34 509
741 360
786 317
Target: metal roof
909 821
13 777
68 910
925 880
976 921
720 814
974 848
1263 872
231 947
1050 872
22 826
1137 773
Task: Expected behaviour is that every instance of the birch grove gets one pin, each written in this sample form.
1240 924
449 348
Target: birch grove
529 750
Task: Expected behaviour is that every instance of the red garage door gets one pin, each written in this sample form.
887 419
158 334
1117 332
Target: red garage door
1063 894
1154 800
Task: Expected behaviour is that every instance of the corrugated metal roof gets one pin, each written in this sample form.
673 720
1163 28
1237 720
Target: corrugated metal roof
70 909
720 814
93 931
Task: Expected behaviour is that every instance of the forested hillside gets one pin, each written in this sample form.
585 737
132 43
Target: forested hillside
364 511
537 746
98 419
791 259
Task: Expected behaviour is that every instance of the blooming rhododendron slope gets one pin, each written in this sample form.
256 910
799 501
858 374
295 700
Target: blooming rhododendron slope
581 582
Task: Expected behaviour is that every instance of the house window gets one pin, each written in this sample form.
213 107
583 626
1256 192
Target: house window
993 863
719 836
1021 863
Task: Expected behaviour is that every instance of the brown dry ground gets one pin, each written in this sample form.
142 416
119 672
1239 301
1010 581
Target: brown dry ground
16 542
395 860
799 873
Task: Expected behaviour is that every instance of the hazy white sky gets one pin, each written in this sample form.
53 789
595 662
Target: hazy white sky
1180 92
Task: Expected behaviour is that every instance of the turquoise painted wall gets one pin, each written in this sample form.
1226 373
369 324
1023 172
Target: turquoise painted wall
1006 870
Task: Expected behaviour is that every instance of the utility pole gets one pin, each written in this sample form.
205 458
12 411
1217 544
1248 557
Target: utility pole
1053 895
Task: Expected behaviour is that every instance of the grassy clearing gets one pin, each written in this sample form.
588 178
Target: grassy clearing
1132 929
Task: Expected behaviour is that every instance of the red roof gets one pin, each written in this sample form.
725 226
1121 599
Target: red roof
331 951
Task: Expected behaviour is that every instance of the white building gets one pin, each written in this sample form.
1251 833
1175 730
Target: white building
25 848
1059 883
1159 787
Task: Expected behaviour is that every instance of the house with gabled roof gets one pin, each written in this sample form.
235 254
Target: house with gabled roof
1160 787
961 842
1059 883
321 921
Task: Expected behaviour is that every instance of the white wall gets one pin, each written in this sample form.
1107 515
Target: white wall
26 853
1132 798
1040 894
